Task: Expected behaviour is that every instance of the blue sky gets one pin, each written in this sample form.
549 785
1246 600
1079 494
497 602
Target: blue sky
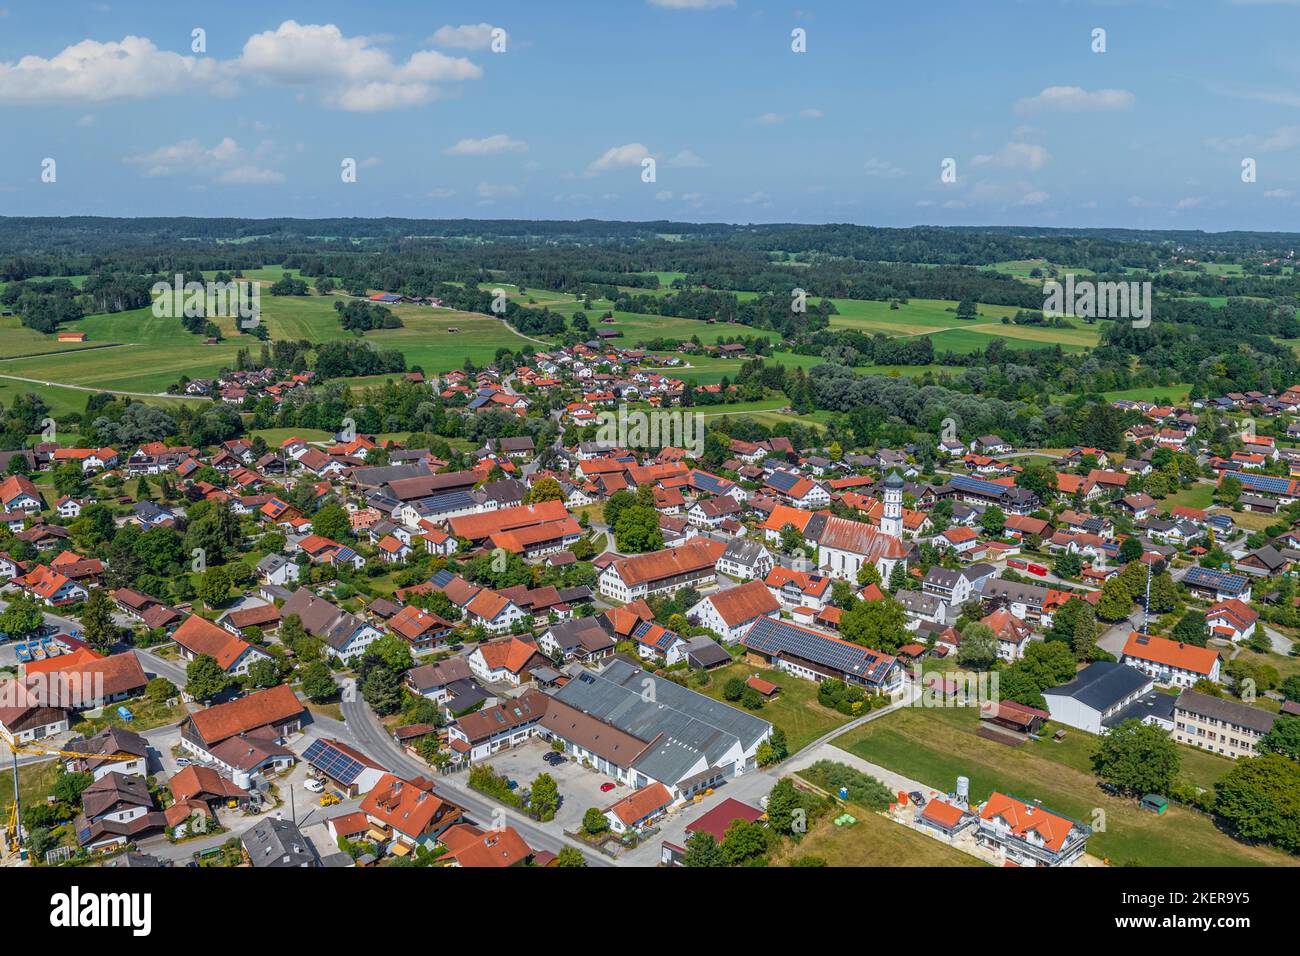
1152 133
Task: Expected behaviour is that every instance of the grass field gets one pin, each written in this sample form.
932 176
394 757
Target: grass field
137 351
1197 496
872 841
935 746
149 353
795 709
1156 394
937 319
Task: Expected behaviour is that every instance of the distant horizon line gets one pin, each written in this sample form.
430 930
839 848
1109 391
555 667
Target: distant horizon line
666 222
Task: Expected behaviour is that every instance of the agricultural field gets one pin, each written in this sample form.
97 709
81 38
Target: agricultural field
137 351
150 353
935 746
640 327
937 319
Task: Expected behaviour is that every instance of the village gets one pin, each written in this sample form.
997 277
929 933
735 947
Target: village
572 653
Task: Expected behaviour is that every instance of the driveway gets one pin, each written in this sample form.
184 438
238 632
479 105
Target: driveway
579 787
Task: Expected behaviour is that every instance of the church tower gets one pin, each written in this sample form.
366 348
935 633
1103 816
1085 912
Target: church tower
891 522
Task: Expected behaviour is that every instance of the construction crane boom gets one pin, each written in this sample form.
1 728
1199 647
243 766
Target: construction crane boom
35 748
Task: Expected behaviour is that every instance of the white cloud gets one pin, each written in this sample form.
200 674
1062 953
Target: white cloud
1035 198
686 159
882 169
355 74
618 157
94 72
226 162
487 146
1028 156
467 36
1282 138
1190 202
757 198
440 192
250 176
691 4
351 73
490 191
664 195
1075 99
87 120
775 119
1279 193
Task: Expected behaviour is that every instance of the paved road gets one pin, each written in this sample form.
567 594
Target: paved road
374 740
111 391
160 666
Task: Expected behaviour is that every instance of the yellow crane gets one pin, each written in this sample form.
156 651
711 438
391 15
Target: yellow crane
13 826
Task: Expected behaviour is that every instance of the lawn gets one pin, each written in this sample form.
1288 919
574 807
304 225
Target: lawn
1197 496
146 715
872 841
35 781
795 709
1156 394
1287 666
275 437
935 746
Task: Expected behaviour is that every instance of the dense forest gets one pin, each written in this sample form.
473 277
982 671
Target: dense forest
1213 330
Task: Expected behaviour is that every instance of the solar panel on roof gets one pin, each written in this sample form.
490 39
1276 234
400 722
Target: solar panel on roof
442 578
1220 580
1270 483
977 485
782 480
770 636
332 762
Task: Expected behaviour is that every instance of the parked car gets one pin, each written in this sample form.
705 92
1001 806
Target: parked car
1110 788
606 787
315 785
917 797
512 784
183 761
553 758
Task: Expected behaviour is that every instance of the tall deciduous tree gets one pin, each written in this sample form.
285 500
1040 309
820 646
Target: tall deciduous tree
1137 757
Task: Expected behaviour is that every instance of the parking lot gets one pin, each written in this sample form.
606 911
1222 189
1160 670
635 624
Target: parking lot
579 788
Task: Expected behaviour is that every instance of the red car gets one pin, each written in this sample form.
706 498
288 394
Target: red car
1037 569
606 787
1013 563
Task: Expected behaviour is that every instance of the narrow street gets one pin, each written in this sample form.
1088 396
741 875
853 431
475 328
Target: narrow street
370 737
